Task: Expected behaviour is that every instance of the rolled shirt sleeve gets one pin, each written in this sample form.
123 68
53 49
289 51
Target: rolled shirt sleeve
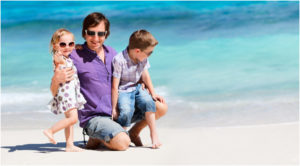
147 66
117 68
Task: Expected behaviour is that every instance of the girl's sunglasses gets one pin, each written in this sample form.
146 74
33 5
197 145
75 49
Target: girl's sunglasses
63 44
93 33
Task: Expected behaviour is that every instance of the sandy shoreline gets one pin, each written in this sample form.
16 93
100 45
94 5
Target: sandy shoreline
265 144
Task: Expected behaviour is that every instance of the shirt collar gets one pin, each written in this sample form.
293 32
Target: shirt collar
126 56
92 51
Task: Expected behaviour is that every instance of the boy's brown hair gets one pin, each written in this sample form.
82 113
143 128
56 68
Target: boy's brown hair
141 39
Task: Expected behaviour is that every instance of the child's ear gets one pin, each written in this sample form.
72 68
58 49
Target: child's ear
137 50
54 46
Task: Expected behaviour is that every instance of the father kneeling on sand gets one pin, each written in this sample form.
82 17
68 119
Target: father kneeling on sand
94 68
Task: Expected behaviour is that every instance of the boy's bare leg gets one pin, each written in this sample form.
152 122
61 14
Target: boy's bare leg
150 118
134 132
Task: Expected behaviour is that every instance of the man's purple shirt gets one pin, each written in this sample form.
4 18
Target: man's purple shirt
95 82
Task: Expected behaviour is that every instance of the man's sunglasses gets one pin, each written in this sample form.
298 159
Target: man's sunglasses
93 33
63 44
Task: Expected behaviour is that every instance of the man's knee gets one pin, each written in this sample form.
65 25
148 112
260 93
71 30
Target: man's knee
120 142
161 109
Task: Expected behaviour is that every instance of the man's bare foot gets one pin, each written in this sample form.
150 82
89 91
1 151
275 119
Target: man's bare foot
93 143
49 135
135 139
74 149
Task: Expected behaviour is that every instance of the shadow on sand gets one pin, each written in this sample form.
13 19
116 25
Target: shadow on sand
42 148
59 147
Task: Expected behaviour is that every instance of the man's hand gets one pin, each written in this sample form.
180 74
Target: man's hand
60 77
63 75
158 98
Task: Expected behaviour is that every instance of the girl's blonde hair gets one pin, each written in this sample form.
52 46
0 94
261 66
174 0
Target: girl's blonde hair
56 36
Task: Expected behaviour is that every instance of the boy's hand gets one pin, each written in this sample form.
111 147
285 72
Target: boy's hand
144 87
158 98
114 114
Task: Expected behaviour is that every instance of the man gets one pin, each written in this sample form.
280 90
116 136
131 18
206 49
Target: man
94 69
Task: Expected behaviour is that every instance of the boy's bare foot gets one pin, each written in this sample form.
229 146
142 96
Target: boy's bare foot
93 143
156 145
74 149
155 141
49 134
135 139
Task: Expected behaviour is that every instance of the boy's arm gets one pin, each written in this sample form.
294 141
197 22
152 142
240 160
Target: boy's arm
147 80
114 97
117 70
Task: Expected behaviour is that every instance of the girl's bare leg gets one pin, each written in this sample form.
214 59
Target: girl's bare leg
67 123
70 147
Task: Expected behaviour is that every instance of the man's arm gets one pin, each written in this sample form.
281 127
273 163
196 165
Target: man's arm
60 76
147 80
114 97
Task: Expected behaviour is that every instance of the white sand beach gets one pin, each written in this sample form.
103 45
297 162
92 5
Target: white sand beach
265 144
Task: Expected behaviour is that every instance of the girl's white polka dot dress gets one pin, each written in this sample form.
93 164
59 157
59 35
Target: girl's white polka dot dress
68 95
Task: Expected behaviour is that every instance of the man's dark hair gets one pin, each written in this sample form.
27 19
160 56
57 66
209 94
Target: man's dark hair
93 20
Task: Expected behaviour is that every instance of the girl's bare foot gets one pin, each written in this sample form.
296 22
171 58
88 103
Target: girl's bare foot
74 149
49 135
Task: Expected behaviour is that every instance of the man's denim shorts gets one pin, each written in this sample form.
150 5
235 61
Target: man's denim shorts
136 102
103 128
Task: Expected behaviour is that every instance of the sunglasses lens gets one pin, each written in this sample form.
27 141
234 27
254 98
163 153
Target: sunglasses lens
71 44
90 33
62 44
93 33
101 33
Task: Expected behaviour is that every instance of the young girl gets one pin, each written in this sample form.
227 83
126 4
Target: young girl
68 98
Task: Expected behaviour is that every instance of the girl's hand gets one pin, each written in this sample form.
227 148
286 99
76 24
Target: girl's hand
158 98
58 58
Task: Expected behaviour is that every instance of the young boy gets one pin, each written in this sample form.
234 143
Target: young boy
130 66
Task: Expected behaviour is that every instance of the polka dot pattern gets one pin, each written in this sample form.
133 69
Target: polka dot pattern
68 95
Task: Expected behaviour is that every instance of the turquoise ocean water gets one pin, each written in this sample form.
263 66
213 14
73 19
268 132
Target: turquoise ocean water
217 63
